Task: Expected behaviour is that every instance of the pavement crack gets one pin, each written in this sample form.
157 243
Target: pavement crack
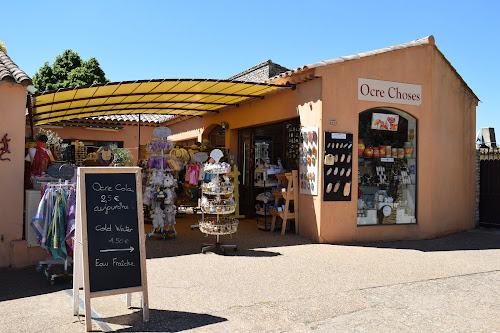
427 280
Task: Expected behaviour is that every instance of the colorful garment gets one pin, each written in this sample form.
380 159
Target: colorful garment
56 236
192 174
41 161
70 221
38 221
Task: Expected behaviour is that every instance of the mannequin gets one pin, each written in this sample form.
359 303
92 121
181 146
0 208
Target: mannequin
40 158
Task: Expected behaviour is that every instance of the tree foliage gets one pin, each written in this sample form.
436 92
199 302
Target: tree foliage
68 70
2 47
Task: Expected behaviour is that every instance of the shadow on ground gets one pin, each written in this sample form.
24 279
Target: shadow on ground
163 321
477 239
27 282
251 241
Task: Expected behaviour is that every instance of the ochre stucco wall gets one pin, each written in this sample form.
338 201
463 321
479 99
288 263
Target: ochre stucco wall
129 135
304 101
445 141
12 116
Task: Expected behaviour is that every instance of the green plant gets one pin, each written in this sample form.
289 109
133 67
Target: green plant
2 47
53 138
68 70
122 156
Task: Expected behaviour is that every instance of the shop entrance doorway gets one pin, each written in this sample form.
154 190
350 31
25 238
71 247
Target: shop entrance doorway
262 147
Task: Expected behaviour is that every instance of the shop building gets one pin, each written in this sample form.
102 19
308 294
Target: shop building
429 192
324 120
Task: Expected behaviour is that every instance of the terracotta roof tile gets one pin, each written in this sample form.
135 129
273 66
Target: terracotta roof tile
418 42
10 72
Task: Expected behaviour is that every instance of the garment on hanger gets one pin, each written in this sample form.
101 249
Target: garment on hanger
41 161
54 221
192 174
70 221
56 235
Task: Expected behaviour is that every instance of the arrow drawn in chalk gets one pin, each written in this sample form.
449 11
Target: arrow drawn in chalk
117 250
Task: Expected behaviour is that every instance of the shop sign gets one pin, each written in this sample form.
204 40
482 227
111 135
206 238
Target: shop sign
390 92
110 251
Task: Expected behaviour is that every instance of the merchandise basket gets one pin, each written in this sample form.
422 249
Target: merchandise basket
217 189
218 226
214 206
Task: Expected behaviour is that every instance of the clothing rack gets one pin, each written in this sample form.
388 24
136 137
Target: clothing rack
50 262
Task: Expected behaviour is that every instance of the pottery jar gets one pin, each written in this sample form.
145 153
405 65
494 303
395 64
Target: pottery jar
382 151
408 149
394 152
387 151
361 147
401 153
376 152
369 151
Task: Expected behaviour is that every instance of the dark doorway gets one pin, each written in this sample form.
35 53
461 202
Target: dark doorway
489 200
279 150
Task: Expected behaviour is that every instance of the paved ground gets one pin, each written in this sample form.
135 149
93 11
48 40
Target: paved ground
277 283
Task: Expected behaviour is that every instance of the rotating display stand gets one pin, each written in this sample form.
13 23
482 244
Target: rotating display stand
218 189
160 191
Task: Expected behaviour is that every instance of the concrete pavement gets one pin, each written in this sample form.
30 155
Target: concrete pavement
277 283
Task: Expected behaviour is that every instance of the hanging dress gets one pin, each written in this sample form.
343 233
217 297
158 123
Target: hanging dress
41 161
56 235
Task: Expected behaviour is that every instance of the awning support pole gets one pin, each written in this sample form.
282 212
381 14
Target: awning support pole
139 140
30 116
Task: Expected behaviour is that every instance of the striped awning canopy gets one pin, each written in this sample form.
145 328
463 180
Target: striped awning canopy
187 97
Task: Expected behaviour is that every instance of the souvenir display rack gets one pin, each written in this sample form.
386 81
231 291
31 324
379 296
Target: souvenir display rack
160 193
219 188
265 181
288 194
46 265
292 145
337 169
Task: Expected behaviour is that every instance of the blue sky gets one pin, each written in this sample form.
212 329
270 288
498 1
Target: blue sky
216 39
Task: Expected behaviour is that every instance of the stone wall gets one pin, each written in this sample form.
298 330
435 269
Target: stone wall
260 72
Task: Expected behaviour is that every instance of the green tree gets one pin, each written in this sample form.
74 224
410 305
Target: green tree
68 70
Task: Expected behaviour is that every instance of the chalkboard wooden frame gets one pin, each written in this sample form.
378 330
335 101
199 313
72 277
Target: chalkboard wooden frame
81 276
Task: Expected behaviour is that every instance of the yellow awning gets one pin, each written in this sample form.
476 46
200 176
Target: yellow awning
188 97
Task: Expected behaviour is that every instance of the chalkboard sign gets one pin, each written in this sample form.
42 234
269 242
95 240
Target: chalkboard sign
112 231
109 254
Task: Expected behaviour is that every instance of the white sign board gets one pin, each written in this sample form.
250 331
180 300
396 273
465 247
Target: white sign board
389 92
162 132
216 154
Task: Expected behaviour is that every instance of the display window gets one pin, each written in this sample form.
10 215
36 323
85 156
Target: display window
387 167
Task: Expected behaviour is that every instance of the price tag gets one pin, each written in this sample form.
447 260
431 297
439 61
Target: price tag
216 154
341 136
162 132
